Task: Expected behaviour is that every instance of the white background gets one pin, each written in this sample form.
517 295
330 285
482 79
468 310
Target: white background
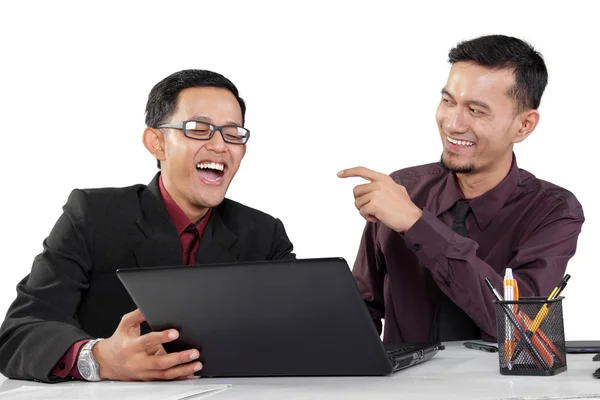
329 85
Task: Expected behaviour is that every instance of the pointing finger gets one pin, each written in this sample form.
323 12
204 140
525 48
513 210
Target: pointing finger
153 339
361 172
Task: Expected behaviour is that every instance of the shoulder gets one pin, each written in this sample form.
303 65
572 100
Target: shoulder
102 201
248 223
562 200
106 196
260 236
237 214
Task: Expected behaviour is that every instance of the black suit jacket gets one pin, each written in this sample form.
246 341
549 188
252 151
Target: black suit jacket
73 293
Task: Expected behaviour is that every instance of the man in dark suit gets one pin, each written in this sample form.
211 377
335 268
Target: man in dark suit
72 297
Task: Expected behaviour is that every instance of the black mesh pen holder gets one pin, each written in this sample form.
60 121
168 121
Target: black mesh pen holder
531 336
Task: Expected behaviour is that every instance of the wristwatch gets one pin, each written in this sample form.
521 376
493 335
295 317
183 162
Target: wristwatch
86 362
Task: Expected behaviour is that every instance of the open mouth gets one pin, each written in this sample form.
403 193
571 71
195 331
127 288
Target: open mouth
461 143
211 172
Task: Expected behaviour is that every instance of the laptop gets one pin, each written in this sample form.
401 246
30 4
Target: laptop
269 318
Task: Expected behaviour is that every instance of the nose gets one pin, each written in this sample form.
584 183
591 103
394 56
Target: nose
456 121
216 143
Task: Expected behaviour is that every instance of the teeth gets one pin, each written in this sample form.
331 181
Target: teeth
210 165
459 142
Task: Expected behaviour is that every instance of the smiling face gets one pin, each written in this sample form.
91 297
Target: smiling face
477 119
197 173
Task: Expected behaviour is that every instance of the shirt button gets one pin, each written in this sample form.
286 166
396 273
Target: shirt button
62 366
417 247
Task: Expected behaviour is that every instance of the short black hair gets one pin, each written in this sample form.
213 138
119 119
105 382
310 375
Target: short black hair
162 99
505 52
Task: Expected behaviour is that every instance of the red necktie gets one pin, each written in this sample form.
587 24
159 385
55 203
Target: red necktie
189 238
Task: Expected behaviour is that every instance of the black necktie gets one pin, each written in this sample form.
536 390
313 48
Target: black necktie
460 216
452 322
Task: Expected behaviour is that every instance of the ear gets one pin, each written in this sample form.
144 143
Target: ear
154 140
527 121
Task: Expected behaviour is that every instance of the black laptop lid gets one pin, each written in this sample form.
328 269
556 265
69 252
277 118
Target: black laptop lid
291 317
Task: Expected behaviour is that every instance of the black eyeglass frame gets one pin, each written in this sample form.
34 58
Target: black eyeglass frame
213 129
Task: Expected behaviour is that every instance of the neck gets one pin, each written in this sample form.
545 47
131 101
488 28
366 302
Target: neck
194 213
477 183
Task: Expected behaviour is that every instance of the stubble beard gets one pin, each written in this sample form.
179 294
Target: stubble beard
457 169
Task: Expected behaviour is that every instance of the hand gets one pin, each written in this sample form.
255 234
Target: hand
383 199
127 356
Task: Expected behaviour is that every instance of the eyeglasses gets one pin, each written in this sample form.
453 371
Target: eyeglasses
204 131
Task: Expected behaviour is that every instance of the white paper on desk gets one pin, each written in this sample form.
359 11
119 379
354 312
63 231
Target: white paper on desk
595 396
113 390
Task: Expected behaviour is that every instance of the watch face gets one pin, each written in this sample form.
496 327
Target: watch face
85 370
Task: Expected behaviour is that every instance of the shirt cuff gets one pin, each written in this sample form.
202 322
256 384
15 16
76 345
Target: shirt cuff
428 235
66 367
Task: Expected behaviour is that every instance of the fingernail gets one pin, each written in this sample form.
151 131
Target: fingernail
197 367
194 355
340 173
173 335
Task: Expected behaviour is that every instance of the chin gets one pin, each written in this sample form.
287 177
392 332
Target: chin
208 196
210 201
457 166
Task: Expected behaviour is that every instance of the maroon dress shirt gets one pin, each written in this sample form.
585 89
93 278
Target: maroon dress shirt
182 224
189 234
523 223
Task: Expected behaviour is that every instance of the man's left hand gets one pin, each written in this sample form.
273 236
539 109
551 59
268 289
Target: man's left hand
383 199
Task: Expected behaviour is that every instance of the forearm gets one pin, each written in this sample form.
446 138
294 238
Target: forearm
32 349
539 263
40 325
455 268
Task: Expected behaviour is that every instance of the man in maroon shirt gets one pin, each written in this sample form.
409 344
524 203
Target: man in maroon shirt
435 231
72 299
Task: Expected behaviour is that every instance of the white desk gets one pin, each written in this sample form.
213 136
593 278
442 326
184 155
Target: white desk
455 373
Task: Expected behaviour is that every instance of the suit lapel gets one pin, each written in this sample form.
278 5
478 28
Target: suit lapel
218 244
162 246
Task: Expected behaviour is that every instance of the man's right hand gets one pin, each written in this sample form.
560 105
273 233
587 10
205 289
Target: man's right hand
128 356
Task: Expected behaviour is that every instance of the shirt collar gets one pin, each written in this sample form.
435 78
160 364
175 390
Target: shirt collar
177 215
486 206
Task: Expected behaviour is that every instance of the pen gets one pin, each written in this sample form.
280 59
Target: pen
543 313
493 289
532 349
527 322
515 309
536 339
508 330
516 295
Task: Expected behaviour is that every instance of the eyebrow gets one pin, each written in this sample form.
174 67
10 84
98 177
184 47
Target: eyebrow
475 102
201 118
